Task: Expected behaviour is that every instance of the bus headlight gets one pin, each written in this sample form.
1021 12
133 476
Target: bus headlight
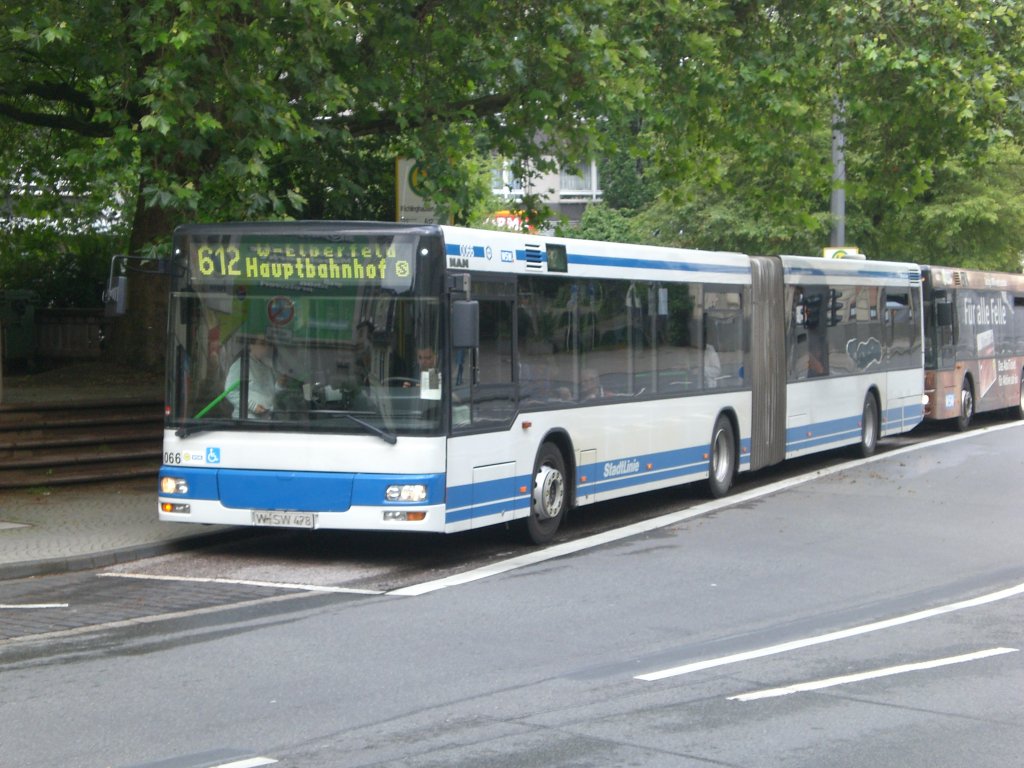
173 485
413 493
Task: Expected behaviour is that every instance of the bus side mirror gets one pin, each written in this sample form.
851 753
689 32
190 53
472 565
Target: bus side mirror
465 324
115 298
944 314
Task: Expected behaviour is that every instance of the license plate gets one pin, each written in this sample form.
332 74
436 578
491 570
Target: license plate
284 519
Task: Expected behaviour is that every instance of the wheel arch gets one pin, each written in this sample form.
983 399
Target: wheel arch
968 379
561 440
875 393
734 422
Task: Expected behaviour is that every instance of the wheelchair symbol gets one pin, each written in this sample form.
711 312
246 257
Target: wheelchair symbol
213 455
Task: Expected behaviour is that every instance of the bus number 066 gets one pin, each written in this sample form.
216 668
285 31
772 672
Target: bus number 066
172 457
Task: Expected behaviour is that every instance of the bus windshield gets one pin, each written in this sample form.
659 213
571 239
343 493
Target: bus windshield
273 334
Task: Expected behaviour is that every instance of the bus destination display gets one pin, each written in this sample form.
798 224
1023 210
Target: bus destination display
309 262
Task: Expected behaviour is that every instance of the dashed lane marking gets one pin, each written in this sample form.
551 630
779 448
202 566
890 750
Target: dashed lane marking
901 669
830 637
244 583
252 762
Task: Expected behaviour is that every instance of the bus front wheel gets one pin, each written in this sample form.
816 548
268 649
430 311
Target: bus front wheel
550 496
722 464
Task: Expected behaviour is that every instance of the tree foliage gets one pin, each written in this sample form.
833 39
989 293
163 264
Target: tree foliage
972 217
225 109
740 138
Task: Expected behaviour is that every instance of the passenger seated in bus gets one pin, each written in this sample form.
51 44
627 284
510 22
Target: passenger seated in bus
712 366
590 385
817 356
538 383
263 380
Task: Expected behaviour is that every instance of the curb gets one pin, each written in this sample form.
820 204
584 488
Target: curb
93 560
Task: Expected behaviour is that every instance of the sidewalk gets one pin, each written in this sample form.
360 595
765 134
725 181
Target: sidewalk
68 528
71 528
79 382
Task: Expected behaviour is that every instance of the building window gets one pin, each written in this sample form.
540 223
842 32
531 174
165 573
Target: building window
505 184
580 181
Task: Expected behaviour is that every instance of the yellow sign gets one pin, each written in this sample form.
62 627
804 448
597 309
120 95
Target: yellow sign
843 252
410 206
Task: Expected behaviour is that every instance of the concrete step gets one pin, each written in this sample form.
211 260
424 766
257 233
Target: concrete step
79 442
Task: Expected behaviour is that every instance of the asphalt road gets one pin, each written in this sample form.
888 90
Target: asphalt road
869 615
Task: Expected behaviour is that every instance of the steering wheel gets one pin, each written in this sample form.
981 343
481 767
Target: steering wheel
401 381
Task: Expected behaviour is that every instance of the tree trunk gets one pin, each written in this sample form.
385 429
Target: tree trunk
139 338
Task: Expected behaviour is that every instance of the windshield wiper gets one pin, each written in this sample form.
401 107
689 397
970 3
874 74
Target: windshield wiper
388 437
194 427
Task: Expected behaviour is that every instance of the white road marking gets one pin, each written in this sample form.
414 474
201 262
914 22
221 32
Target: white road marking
569 547
243 582
140 620
252 762
8 607
645 526
831 637
874 674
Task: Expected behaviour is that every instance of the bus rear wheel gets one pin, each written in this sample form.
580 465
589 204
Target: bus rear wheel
550 496
870 427
722 464
963 421
1020 402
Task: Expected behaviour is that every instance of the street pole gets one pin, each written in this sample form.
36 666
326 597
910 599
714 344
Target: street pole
838 179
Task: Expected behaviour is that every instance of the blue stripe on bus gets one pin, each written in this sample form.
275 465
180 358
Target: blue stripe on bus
824 271
497 496
300 491
903 419
455 249
823 433
849 429
336 492
674 266
482 508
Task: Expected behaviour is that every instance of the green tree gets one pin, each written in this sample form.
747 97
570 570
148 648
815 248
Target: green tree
227 109
248 108
741 131
972 217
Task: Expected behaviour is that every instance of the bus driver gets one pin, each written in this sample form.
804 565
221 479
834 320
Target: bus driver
262 379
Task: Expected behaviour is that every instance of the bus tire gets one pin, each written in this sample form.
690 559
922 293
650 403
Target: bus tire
550 497
722 458
870 427
1019 410
963 421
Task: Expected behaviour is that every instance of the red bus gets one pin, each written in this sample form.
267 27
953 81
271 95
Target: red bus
974 343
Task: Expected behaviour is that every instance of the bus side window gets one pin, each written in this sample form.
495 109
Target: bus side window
488 390
678 353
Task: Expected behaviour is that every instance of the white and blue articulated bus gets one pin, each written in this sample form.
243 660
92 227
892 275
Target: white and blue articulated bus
398 377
